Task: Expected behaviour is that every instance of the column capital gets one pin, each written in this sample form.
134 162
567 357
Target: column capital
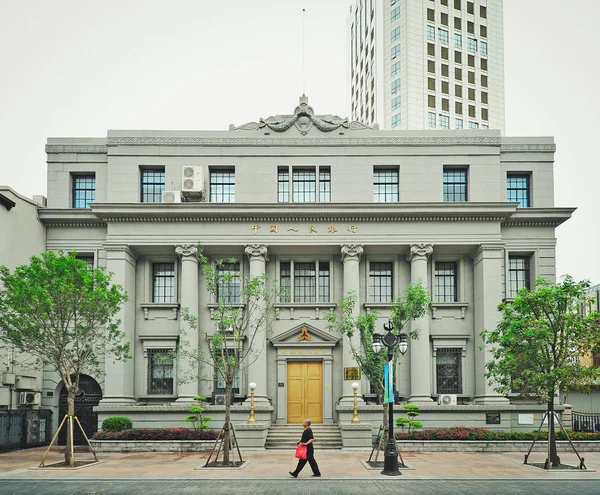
186 250
257 252
419 251
352 252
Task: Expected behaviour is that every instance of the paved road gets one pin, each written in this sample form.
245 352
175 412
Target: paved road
397 486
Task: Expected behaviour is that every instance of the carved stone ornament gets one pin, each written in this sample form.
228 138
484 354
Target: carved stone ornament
257 251
419 251
186 250
351 251
304 119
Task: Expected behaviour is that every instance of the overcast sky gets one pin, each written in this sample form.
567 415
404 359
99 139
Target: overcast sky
78 68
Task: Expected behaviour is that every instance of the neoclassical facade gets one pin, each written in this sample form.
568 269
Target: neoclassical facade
323 206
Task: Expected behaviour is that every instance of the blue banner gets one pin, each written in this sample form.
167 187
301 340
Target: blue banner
385 383
390 381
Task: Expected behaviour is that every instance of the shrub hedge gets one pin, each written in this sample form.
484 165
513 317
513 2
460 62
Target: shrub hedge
117 423
469 433
157 434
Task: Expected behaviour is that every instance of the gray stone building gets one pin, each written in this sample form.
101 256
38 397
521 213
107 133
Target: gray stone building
324 206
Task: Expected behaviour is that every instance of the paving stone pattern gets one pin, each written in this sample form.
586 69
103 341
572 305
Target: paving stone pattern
300 487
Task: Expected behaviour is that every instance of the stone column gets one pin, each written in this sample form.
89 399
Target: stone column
187 370
351 254
420 349
487 281
119 375
257 371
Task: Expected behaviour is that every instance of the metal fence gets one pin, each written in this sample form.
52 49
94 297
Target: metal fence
586 421
24 429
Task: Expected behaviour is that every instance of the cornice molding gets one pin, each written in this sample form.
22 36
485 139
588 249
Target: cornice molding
528 148
304 141
77 148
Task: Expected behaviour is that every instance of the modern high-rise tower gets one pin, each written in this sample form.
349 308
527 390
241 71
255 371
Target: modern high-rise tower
427 64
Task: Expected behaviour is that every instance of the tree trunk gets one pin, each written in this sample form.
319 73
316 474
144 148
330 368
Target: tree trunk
69 454
227 432
554 459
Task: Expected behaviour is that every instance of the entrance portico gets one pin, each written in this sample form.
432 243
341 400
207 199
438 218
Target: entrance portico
304 344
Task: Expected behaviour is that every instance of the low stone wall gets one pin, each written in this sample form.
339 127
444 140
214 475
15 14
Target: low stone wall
490 446
152 445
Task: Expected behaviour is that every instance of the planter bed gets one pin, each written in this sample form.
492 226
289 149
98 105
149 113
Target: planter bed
152 445
493 446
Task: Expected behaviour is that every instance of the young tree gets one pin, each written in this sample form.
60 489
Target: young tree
61 312
242 319
538 345
413 304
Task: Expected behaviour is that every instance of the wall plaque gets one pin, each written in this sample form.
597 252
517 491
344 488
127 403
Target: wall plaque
352 373
492 418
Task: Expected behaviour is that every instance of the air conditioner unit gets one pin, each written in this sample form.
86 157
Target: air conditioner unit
219 399
30 398
171 197
447 400
192 181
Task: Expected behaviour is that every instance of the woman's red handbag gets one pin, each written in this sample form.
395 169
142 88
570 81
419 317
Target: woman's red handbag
301 452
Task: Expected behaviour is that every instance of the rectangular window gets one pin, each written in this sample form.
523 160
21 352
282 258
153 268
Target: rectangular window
163 282
484 81
518 274
445 87
445 104
458 93
228 282
395 14
443 19
431 49
430 33
457 5
470 27
324 185
446 282
303 281
160 371
443 35
483 11
455 184
431 119
395 120
88 259
444 122
471 77
395 51
380 282
431 101
473 125
152 185
484 48
304 184
518 189
222 185
458 40
395 68
431 66
445 53
471 60
470 8
385 185
458 57
472 44
484 114
219 382
483 62
431 83
395 86
431 15
84 190
395 103
457 23
445 70
485 126
483 31
448 370
471 93
458 123
395 34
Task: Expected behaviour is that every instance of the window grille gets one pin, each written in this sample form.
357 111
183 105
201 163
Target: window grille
448 367
160 371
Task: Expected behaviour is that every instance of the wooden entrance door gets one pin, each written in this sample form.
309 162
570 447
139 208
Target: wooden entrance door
305 391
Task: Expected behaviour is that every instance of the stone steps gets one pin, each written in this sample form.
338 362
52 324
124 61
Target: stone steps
285 436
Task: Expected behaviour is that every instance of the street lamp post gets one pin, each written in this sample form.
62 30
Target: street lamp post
355 419
391 341
251 419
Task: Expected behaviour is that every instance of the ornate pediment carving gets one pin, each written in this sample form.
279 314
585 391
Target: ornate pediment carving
305 335
304 119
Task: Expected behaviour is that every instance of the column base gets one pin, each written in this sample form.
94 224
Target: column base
185 398
421 399
117 401
490 399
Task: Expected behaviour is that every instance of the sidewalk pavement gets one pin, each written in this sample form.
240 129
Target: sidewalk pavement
334 464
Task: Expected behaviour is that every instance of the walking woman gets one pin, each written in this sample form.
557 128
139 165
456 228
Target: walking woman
307 439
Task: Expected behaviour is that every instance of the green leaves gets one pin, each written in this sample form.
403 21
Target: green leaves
62 312
542 341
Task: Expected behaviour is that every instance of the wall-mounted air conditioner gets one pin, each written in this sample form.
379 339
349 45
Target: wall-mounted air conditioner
171 197
30 398
219 398
192 181
447 400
